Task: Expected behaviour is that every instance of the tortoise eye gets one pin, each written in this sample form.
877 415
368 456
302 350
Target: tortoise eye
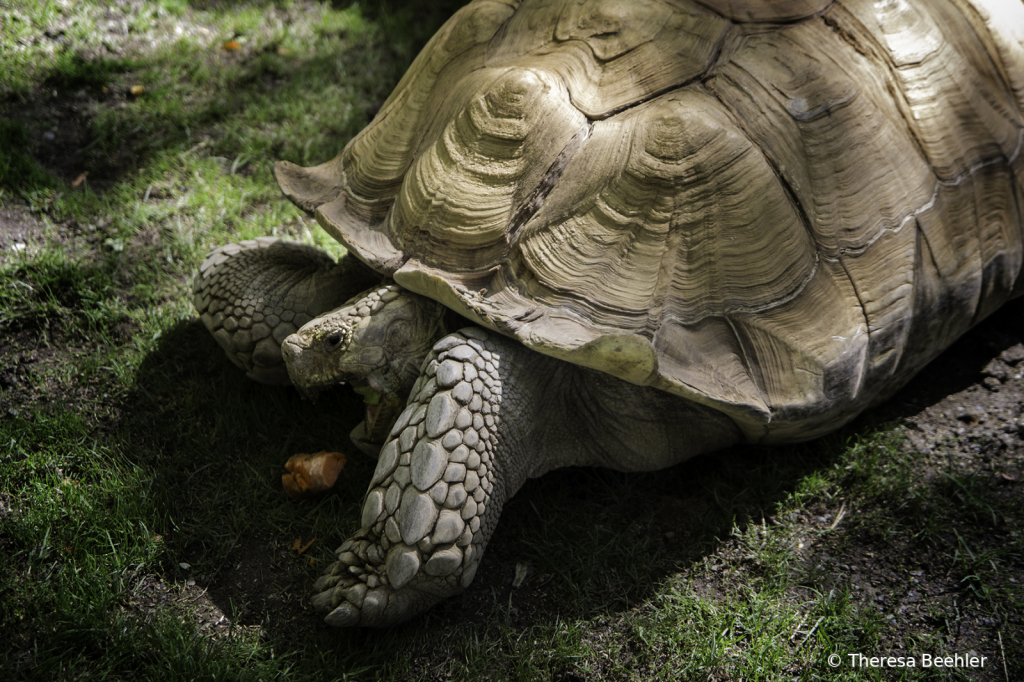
332 342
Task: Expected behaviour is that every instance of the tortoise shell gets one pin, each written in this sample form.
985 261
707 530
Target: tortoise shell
781 210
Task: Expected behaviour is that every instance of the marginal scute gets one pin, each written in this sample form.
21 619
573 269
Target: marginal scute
308 187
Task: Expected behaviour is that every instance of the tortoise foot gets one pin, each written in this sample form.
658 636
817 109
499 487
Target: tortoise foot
374 587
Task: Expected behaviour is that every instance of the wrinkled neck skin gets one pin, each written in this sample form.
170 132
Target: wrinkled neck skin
376 342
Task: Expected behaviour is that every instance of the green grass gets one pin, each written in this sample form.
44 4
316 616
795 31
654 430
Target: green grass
140 494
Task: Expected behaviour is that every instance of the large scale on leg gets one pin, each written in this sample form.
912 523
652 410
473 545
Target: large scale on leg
685 224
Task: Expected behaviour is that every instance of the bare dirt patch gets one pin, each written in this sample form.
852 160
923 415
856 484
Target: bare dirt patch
20 231
152 597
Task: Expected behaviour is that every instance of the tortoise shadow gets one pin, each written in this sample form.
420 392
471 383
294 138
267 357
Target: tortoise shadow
595 542
217 443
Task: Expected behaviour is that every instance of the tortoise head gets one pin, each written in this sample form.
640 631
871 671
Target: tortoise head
376 343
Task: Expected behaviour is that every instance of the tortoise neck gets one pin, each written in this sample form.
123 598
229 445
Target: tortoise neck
451 321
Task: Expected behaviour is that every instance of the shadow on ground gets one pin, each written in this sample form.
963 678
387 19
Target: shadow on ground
597 543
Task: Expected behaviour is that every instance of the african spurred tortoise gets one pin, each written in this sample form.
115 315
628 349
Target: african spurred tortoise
627 232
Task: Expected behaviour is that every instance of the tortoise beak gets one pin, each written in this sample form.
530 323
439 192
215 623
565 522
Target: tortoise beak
291 349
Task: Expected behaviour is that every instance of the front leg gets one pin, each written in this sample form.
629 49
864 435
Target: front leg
453 457
486 414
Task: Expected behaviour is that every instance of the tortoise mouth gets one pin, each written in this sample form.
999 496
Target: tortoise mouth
371 399
381 408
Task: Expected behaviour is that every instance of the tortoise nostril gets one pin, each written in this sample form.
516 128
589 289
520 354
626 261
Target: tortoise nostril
290 349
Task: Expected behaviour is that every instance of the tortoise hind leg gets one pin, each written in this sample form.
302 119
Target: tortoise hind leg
253 294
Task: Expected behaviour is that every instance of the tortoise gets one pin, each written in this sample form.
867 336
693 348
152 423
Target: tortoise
627 232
